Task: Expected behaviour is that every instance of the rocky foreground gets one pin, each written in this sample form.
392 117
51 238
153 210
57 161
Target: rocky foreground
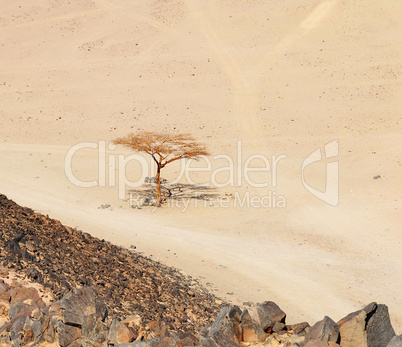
80 318
62 259
108 296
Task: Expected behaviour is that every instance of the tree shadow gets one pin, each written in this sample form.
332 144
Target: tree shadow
146 194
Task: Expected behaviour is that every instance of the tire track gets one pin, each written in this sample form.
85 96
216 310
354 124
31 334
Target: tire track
245 96
248 91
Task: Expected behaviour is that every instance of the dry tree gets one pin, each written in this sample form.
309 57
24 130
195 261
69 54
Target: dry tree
164 149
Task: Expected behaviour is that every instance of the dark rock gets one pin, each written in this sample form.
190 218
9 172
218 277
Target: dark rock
79 303
352 329
30 246
320 343
34 274
39 326
266 314
278 327
119 333
189 340
205 330
227 325
28 335
55 308
50 334
158 328
298 329
17 327
396 341
4 330
379 328
93 331
21 331
20 309
67 334
100 308
134 322
157 342
325 330
4 288
218 341
369 327
251 331
20 294
61 258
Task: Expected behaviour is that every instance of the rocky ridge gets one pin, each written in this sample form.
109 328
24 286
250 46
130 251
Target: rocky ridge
61 259
79 318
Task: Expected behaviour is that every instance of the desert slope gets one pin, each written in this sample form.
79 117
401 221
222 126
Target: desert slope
284 78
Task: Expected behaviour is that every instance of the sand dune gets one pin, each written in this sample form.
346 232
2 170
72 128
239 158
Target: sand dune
282 77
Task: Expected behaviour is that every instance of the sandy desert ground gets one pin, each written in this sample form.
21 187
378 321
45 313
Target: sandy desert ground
278 78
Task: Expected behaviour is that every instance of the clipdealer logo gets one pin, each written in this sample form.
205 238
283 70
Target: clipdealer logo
232 172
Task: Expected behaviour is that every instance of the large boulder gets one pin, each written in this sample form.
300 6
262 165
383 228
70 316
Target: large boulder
267 314
20 309
251 330
188 340
325 330
67 334
227 325
157 328
17 327
396 341
21 332
353 329
39 326
19 294
379 329
369 327
167 341
79 303
93 331
50 333
320 343
119 333
219 340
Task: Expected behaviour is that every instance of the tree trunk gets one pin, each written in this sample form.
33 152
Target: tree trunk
158 185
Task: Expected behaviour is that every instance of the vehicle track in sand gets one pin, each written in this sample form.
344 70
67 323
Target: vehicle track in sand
247 81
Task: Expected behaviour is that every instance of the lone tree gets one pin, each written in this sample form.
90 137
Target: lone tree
164 149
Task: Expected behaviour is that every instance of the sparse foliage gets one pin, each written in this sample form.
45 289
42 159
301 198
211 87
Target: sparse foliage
164 149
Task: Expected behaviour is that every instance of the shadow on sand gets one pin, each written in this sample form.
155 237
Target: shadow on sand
146 195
